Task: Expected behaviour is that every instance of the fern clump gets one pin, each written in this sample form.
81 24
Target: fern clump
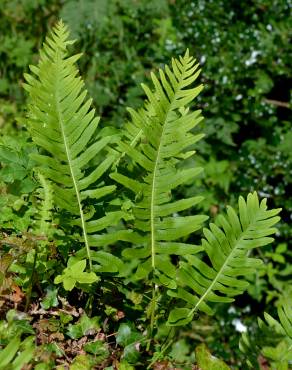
158 139
96 179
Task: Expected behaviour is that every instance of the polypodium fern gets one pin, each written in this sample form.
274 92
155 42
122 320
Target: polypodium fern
274 341
164 125
158 139
17 353
62 122
44 216
227 244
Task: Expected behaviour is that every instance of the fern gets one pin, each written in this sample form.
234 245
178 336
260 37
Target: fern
44 216
227 244
274 341
17 354
156 140
62 123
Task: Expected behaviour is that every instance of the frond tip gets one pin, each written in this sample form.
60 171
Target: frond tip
227 244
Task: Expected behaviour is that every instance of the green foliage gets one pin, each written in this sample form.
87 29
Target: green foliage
275 272
17 354
15 325
15 351
125 39
19 40
227 244
276 339
16 181
140 236
16 164
130 340
84 326
62 123
44 217
50 299
208 362
81 362
164 126
98 349
74 273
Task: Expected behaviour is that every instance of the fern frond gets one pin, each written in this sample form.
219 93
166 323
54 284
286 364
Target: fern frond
62 123
274 340
285 316
44 216
17 353
282 353
227 244
157 139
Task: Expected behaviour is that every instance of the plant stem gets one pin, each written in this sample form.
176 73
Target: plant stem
152 313
89 304
164 347
29 292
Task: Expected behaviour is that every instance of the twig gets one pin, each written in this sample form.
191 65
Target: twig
278 103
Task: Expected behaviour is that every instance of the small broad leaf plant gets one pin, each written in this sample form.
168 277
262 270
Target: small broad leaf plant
117 189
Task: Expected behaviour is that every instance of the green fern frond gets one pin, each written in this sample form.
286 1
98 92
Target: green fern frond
45 194
62 123
157 139
282 353
274 340
17 353
227 244
285 316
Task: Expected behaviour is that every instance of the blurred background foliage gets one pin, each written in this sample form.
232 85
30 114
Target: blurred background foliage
244 49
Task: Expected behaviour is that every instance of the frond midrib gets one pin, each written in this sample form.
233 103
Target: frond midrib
132 144
214 281
70 162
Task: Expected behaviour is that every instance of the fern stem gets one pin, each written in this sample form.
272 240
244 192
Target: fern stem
67 149
152 313
29 292
162 351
